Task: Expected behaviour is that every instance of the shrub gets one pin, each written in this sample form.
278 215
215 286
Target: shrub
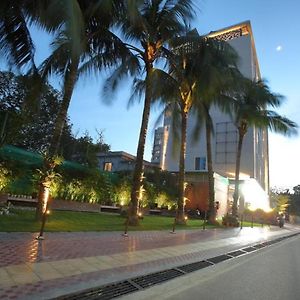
260 216
230 220
5 177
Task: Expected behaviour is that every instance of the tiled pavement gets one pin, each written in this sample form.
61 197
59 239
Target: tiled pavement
67 262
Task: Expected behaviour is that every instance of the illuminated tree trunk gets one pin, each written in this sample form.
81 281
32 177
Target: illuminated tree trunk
70 80
43 198
211 184
181 178
138 170
242 132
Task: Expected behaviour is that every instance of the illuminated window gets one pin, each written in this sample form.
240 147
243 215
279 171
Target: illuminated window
107 166
200 163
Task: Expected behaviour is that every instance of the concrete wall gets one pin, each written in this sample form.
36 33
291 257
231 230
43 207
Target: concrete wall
118 163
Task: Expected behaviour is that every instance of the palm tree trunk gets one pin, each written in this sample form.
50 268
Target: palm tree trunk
237 173
70 80
3 127
139 164
211 183
181 178
60 121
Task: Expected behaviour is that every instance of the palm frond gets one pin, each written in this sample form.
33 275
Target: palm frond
16 44
279 124
137 91
129 67
57 62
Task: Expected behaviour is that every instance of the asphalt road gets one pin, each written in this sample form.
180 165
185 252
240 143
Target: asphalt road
270 273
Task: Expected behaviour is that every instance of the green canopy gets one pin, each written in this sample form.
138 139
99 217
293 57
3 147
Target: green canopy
31 159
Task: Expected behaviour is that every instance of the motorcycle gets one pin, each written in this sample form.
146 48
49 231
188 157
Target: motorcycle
280 221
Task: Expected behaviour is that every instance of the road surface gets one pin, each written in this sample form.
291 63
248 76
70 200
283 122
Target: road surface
270 273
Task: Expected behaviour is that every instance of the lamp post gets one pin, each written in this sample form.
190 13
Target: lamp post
204 221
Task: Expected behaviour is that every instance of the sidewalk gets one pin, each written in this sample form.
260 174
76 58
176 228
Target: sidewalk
69 262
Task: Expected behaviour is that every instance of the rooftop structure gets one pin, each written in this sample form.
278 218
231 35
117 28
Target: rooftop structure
114 161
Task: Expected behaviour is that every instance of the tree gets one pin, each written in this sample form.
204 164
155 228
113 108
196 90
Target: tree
75 54
294 207
252 100
218 72
195 71
149 25
85 150
279 200
28 127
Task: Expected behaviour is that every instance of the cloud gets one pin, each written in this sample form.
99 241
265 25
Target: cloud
279 48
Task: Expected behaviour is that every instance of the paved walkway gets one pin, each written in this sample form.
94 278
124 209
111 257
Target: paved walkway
68 262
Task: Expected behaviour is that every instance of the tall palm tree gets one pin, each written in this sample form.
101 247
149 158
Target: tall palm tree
95 47
219 72
195 71
148 26
252 100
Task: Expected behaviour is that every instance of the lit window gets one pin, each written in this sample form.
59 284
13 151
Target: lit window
107 166
200 163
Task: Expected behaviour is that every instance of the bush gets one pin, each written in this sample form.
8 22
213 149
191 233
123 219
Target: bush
4 178
122 192
230 220
94 188
260 216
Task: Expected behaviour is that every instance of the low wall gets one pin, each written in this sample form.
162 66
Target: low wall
75 205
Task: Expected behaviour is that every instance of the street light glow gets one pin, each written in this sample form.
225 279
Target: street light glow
255 195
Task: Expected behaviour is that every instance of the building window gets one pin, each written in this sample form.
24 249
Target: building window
107 166
200 163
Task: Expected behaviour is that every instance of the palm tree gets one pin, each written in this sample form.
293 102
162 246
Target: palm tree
251 102
93 47
148 26
195 71
219 72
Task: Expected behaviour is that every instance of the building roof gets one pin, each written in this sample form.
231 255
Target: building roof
122 154
235 31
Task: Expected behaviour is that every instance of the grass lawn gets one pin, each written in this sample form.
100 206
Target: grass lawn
23 221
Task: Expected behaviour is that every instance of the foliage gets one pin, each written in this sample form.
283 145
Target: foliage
31 127
96 187
28 126
230 220
92 186
294 207
147 26
16 179
85 149
260 216
251 108
280 197
48 173
122 191
5 177
279 201
15 42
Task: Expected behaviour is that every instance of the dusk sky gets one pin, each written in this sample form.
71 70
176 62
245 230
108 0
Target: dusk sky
276 27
